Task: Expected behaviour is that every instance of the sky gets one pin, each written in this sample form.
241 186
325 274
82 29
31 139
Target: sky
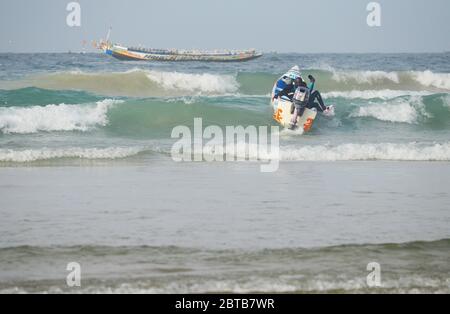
309 26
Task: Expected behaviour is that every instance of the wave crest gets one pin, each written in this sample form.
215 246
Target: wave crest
60 117
367 77
381 151
374 94
29 155
151 83
195 83
396 111
139 83
430 79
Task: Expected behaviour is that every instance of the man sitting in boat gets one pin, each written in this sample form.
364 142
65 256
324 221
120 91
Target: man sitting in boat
300 100
305 97
285 86
315 99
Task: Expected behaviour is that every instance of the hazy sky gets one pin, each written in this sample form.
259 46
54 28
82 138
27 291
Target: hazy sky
267 25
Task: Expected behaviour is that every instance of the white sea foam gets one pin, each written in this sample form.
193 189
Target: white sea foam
401 112
281 284
431 79
348 151
368 77
425 78
379 151
137 82
398 110
204 83
372 94
54 117
28 155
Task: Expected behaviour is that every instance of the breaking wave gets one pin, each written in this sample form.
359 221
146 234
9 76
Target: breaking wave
195 83
151 83
414 284
343 152
139 83
60 117
415 80
379 151
430 79
374 94
399 110
157 116
29 155
346 152
368 77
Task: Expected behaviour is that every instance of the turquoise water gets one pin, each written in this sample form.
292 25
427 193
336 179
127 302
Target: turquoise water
52 103
86 175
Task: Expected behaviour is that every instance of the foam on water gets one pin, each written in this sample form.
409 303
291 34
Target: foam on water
397 111
378 151
425 78
195 83
172 269
137 82
342 152
417 284
140 82
373 94
53 112
368 77
430 79
60 117
29 155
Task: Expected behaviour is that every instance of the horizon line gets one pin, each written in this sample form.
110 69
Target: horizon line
262 51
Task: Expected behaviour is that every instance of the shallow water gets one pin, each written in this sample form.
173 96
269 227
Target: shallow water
191 228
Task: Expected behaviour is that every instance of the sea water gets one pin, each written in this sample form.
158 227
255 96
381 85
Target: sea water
86 176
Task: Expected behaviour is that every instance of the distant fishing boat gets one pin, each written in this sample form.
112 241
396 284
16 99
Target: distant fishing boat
144 54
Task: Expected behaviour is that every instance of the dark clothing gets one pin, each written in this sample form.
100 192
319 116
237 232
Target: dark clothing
309 102
287 91
319 105
282 83
300 100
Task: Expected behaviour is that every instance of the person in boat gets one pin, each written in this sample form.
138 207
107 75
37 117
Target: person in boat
300 101
306 97
315 99
285 86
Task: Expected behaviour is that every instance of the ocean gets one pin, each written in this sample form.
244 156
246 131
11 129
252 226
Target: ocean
86 176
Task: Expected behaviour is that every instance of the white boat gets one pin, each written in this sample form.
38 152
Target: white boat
283 109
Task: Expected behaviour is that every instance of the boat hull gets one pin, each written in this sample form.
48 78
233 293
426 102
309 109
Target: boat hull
127 54
282 113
